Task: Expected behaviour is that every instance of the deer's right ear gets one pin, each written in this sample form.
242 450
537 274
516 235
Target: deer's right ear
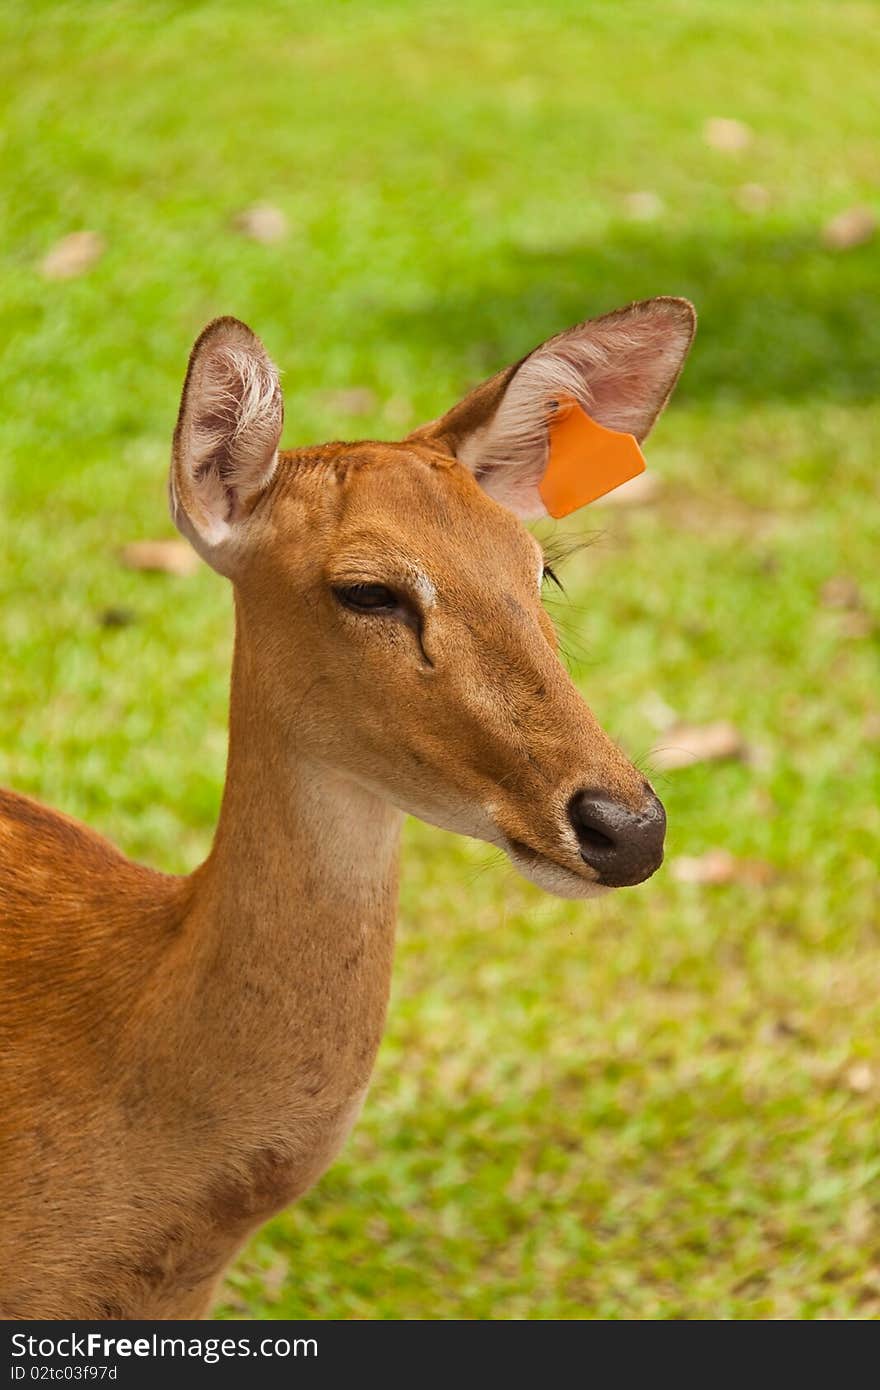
226 441
620 369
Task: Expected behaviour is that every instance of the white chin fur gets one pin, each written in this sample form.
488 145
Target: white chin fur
553 878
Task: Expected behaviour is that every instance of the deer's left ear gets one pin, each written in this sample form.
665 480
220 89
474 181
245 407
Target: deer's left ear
620 369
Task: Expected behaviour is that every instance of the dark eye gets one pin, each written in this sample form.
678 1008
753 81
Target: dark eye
367 598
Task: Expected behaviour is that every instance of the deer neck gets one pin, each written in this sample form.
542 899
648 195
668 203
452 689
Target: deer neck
287 948
302 851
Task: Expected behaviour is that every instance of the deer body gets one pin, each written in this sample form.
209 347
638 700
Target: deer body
182 1057
226 1028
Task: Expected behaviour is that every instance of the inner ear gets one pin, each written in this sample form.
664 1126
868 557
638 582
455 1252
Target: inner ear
228 429
236 425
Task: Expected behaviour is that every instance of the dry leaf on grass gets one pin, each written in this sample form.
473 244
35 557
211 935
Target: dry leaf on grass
643 206
859 1078
720 866
871 726
728 136
852 617
73 255
274 1277
855 624
841 592
852 227
753 197
659 714
686 744
162 557
350 400
262 222
399 413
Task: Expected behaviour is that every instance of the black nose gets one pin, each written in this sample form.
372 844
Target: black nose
623 846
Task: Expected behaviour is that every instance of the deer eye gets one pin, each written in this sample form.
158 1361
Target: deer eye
367 598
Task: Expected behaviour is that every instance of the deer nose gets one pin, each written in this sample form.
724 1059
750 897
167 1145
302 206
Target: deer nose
623 846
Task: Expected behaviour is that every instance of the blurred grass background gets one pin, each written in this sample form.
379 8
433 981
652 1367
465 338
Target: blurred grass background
665 1105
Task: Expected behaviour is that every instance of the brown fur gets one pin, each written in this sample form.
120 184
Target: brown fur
181 1057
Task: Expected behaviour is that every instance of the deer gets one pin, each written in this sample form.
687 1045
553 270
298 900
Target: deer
181 1057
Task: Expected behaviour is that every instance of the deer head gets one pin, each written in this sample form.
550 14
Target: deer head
388 595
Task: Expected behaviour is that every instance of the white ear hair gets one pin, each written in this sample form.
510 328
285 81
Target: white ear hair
508 456
620 368
226 441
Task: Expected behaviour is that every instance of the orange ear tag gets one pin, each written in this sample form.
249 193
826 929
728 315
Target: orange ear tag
586 460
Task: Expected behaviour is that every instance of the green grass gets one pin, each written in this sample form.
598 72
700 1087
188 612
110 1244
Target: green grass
640 1109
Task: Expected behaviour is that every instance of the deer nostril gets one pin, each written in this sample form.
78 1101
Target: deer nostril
589 835
622 845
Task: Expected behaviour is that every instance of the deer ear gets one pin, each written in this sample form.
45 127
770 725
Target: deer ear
226 441
620 369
